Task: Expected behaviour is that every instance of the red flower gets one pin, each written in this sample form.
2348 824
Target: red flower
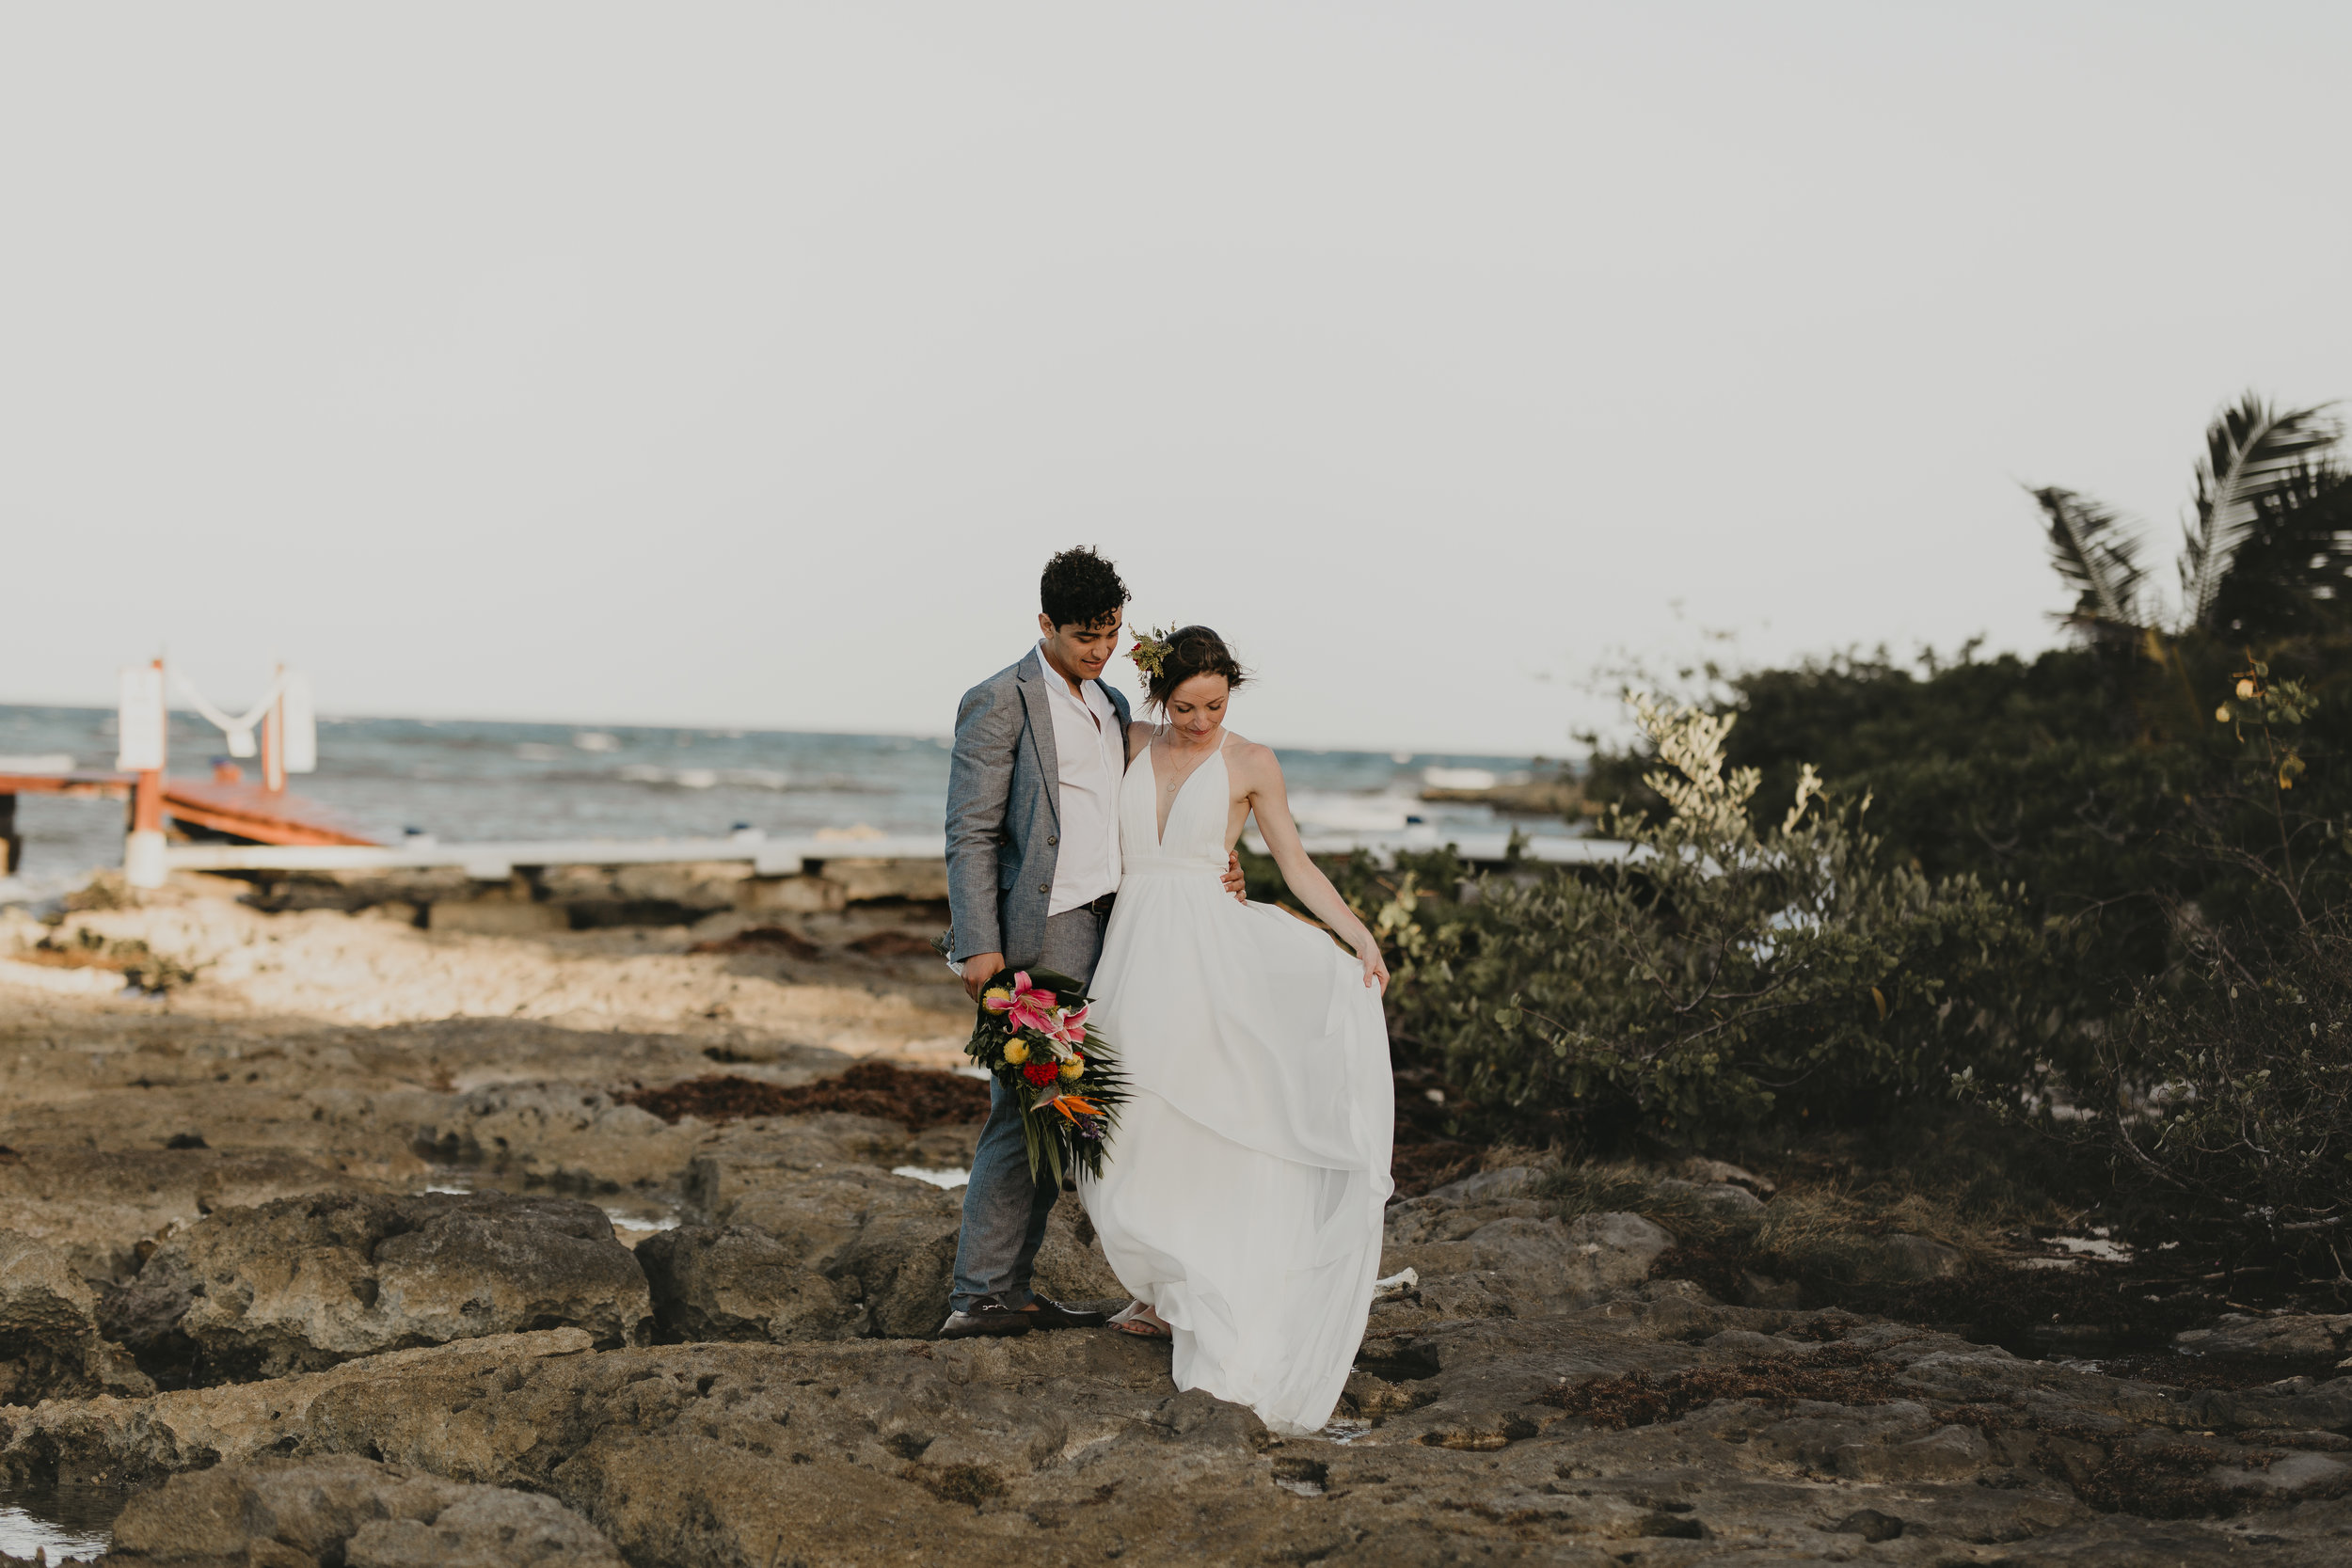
1040 1073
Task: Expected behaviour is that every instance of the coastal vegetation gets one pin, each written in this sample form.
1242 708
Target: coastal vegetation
2067 937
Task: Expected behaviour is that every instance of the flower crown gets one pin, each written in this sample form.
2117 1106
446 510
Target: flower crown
1151 651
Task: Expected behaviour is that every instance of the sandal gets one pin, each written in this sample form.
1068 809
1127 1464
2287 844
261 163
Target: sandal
1131 1320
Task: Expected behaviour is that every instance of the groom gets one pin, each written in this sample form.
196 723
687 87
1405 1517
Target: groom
1032 868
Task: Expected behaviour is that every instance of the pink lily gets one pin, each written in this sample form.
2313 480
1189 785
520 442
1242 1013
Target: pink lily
1072 1026
1027 1008
1018 993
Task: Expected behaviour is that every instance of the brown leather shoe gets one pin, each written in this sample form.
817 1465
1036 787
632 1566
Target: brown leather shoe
987 1315
1053 1314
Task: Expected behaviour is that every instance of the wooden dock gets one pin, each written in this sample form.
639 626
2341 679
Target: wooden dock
248 811
222 804
496 861
87 785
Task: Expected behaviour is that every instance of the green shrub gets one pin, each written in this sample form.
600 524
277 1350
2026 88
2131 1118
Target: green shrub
2227 1095
2095 780
1722 976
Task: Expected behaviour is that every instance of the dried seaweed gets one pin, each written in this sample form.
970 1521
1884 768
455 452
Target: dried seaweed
915 1099
762 939
2168 1481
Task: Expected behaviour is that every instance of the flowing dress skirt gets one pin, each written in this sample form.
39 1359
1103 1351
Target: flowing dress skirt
1245 1187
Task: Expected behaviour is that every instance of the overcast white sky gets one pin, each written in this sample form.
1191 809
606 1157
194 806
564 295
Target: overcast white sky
742 364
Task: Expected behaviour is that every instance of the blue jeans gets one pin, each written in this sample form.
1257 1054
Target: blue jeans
1004 1209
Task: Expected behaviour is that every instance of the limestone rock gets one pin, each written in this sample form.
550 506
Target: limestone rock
2287 1336
1869 1524
1764 1289
890 1241
1716 1173
1071 1447
1438 1216
1903 1256
1949 1454
1726 1197
1488 1245
98 1206
1488 1186
304 1282
904 1258
1070 1261
131 1442
738 1282
1467 1293
885 1239
747 1161
2294 1472
486 1528
338 1508
556 1132
1622 1247
50 1344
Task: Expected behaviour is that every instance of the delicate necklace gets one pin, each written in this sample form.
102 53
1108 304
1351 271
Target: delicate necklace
1173 782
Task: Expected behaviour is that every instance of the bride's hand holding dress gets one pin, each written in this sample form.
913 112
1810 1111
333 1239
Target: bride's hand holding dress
1258 775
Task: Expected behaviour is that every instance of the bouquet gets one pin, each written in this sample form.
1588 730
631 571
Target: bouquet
1033 1035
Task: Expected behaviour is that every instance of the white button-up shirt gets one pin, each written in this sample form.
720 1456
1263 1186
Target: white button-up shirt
1093 756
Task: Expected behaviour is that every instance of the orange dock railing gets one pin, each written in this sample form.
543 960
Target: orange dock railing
220 805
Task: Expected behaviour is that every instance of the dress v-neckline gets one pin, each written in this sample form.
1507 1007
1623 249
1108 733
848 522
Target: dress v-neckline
1160 836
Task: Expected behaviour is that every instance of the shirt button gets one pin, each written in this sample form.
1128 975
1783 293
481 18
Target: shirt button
1045 887
1053 838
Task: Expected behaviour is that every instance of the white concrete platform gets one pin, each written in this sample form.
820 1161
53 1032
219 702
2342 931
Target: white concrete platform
785 857
496 861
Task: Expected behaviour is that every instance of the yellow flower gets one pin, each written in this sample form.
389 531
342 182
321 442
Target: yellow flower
1070 1069
1016 1053
996 993
2245 691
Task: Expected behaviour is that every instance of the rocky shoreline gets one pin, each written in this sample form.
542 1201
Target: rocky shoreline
375 1245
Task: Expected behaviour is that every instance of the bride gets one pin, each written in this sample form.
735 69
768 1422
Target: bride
1241 1202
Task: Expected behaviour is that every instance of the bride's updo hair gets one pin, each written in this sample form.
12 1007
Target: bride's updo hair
1193 651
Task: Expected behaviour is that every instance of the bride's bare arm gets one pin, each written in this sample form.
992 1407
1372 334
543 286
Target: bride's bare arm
1260 775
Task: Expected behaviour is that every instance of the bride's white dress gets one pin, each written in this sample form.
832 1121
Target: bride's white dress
1243 1191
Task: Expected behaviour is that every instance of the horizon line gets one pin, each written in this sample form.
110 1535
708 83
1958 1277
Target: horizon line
722 726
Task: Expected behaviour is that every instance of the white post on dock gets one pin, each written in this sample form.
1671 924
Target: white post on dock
273 739
297 724
144 724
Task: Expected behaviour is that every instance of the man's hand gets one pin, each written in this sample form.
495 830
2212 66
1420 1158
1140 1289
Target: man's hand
979 969
1236 883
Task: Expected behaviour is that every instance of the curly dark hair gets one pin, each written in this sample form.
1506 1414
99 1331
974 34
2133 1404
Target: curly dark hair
1193 651
1080 589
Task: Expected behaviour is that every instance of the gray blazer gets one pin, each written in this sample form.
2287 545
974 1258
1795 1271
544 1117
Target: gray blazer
1004 813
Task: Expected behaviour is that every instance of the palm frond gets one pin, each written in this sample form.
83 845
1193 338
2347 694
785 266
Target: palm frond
2293 573
2251 450
2097 553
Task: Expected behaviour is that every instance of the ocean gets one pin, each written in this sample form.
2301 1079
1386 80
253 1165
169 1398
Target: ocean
464 780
